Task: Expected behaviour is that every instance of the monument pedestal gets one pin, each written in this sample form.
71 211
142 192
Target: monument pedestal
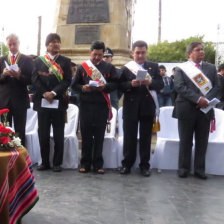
80 22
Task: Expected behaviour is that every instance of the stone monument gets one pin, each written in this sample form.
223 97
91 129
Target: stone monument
80 22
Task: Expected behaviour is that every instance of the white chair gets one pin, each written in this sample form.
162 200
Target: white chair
121 139
110 144
167 146
215 151
70 156
32 139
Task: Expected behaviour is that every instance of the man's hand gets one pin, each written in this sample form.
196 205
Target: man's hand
101 87
12 73
6 72
49 96
43 73
146 82
15 74
203 102
135 83
87 88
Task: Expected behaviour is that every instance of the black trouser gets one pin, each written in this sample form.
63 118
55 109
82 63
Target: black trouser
130 141
93 119
56 118
200 126
19 119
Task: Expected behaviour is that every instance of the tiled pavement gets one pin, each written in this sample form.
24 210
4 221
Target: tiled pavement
73 198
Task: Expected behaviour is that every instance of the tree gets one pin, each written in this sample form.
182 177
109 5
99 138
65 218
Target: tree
3 49
176 51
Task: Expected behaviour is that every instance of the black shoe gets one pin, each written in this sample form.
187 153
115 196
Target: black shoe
145 172
182 173
57 168
125 170
43 167
200 175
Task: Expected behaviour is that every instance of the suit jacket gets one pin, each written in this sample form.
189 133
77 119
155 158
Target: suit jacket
188 94
138 100
109 73
14 91
49 83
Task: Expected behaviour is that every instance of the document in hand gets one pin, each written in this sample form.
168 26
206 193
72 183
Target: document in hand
12 67
47 104
94 83
141 75
211 104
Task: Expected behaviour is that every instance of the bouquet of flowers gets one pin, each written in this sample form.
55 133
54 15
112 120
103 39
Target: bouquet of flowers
8 138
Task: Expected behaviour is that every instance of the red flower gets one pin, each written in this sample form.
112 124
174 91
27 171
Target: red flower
5 130
4 111
5 140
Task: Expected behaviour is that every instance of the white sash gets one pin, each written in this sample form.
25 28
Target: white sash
134 67
96 74
197 77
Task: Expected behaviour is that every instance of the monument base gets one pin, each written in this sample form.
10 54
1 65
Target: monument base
121 57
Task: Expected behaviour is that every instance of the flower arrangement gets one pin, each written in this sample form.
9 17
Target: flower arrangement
8 138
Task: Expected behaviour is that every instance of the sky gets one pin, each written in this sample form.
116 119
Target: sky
180 19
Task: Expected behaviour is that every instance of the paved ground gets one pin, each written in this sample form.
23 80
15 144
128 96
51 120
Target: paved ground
73 198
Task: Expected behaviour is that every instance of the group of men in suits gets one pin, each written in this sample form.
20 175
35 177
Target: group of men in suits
51 76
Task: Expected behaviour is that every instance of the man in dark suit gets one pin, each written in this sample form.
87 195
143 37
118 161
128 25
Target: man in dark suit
51 77
13 85
221 87
191 120
138 107
95 106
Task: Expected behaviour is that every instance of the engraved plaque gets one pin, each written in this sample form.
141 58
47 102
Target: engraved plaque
86 34
88 11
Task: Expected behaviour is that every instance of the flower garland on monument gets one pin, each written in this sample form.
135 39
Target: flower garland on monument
8 138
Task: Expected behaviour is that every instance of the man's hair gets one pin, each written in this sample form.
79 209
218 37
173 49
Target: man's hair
220 67
193 45
12 35
50 37
97 45
139 43
162 67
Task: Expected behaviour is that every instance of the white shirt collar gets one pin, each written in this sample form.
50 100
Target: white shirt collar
200 63
13 54
51 56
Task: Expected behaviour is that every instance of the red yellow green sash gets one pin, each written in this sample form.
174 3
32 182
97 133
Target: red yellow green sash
96 75
53 67
11 61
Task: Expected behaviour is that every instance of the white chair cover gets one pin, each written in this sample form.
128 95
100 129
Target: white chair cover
167 145
215 150
110 144
32 139
70 157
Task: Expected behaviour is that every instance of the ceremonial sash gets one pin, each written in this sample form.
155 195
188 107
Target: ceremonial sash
53 67
15 61
96 75
134 67
198 78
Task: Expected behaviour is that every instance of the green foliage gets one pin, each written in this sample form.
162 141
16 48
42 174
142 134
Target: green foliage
176 51
5 49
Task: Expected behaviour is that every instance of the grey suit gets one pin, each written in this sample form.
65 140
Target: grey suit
191 120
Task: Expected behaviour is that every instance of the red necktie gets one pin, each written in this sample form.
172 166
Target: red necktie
197 65
13 59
